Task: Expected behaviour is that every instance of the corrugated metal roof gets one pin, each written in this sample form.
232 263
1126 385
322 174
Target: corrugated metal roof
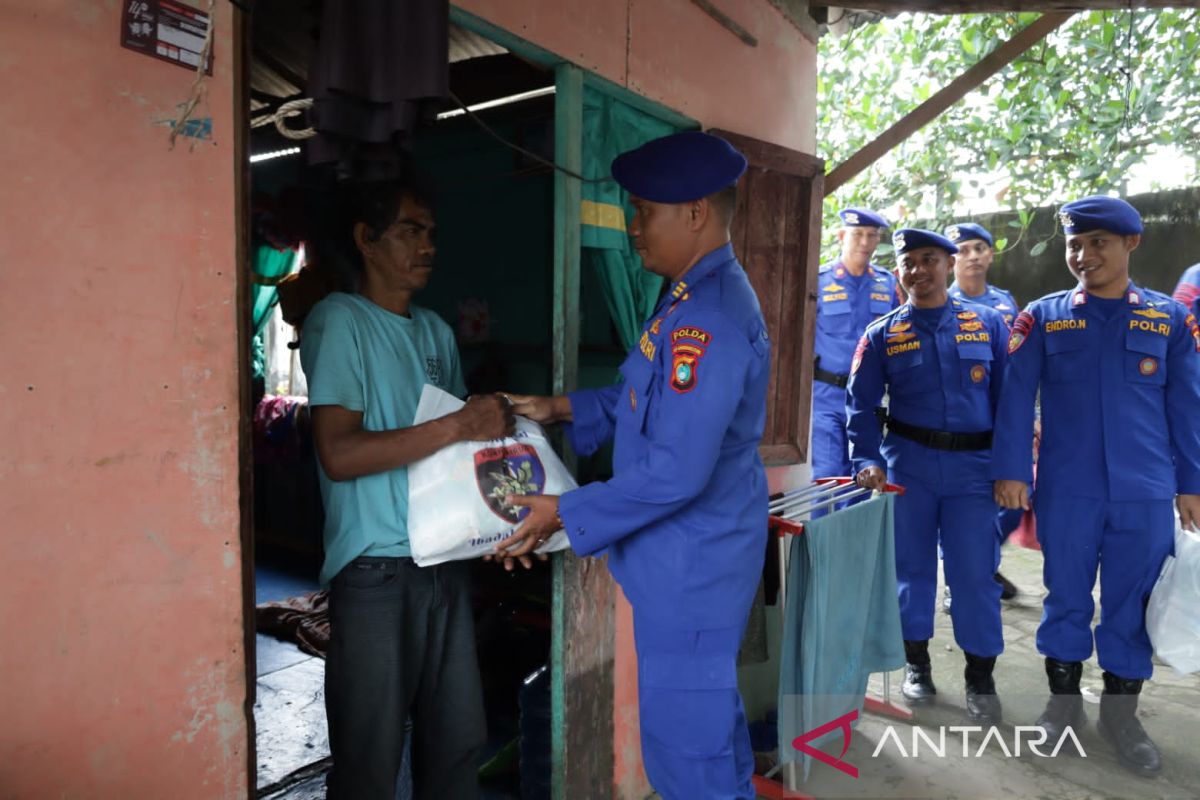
284 49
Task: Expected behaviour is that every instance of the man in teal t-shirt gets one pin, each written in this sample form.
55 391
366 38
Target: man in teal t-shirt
402 641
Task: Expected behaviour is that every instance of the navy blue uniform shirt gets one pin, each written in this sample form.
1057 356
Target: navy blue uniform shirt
1120 397
684 518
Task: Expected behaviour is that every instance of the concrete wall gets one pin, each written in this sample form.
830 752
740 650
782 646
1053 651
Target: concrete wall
1170 245
672 52
120 567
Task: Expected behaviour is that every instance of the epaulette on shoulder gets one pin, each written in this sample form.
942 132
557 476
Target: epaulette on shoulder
883 320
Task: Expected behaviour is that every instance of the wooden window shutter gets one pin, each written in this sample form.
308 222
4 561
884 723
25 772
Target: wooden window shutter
777 236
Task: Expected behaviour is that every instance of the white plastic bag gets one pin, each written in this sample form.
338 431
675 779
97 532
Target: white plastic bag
1173 614
456 507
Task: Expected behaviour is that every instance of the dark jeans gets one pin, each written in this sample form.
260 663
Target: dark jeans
402 644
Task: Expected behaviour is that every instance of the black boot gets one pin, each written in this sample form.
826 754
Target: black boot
982 703
918 673
1065 708
1008 589
1120 726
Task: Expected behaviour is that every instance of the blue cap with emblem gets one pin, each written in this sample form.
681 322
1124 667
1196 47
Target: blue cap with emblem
679 168
1099 213
966 231
862 218
908 239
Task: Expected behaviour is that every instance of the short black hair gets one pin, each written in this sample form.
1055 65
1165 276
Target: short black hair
375 203
724 201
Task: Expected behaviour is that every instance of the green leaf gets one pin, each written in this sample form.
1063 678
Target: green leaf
1001 243
1039 248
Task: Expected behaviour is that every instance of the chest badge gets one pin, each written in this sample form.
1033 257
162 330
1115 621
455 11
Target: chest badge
978 373
1148 366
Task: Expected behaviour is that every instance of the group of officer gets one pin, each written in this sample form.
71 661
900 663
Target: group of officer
683 518
1117 368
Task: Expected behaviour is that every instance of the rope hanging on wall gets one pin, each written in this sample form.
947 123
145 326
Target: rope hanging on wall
199 84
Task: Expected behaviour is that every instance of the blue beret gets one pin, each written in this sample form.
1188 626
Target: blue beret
861 218
1100 213
907 239
966 231
679 168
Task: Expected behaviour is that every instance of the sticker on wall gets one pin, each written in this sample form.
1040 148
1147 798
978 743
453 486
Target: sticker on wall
166 30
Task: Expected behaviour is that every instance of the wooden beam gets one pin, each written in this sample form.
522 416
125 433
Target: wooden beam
725 21
1000 6
958 88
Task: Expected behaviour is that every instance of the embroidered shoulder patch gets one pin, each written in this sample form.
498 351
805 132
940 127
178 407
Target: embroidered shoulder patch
1021 328
695 334
688 344
1194 329
859 351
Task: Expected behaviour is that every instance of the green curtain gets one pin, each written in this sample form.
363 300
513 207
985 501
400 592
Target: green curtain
611 127
269 265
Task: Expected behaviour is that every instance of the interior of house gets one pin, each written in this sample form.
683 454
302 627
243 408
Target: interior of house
493 278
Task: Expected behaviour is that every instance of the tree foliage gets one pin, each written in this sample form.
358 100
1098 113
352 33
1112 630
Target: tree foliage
1069 117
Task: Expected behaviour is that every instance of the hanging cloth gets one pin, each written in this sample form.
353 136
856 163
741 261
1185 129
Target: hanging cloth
381 68
841 620
610 128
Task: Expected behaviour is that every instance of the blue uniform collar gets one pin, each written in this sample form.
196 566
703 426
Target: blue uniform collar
953 304
1134 296
700 270
954 287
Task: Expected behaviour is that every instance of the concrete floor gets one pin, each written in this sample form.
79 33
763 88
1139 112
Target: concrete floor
293 745
1167 710
291 736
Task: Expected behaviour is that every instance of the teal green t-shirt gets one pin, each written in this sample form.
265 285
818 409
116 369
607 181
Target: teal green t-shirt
364 358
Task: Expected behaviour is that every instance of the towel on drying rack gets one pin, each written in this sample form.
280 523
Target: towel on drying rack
841 620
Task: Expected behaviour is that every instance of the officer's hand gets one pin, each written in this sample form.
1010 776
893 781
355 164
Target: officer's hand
1012 494
535 529
541 409
486 416
871 478
1189 511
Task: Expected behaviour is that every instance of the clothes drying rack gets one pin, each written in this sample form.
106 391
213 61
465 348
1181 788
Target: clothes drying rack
788 513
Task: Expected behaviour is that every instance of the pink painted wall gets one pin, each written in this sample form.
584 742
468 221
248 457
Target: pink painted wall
120 568
672 52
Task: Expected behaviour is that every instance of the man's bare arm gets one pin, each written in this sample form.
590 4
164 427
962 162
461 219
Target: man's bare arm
347 451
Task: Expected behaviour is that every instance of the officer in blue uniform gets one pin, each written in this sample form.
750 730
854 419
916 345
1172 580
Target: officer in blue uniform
940 360
976 251
684 518
1187 291
851 293
1119 372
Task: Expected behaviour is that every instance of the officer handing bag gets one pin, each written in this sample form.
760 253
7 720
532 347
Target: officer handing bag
684 518
941 362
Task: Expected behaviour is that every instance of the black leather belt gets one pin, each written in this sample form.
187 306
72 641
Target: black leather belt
940 440
832 378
